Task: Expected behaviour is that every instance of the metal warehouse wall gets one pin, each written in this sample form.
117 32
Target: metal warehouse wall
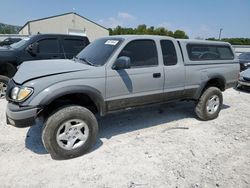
62 25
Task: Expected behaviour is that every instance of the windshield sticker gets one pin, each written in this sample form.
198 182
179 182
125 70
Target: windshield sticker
111 42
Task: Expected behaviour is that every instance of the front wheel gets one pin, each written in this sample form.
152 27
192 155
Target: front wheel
70 132
209 104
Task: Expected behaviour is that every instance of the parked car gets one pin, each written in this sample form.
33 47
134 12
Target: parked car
244 61
9 41
37 47
113 74
244 80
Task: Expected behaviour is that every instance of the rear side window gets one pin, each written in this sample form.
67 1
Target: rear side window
73 46
141 52
197 52
48 46
168 52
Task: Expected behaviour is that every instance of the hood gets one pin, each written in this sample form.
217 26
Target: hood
7 54
5 49
34 69
244 60
246 73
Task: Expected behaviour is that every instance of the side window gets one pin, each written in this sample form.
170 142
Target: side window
73 45
141 52
225 52
168 52
203 52
48 46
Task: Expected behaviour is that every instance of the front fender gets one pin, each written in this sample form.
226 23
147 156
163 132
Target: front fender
50 94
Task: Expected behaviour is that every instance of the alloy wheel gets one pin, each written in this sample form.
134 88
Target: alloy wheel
213 104
72 134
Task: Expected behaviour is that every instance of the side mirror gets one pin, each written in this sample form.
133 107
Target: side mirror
122 62
33 49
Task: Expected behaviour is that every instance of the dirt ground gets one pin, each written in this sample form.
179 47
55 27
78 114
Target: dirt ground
160 146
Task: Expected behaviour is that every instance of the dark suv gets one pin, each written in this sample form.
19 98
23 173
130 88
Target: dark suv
37 47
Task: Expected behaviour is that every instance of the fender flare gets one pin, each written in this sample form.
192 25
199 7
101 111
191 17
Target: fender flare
203 84
9 67
92 93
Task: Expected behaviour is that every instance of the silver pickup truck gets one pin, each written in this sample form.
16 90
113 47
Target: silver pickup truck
117 73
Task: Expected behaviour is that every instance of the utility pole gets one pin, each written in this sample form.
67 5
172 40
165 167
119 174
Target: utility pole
220 33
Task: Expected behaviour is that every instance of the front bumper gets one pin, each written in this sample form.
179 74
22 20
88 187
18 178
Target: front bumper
243 83
20 116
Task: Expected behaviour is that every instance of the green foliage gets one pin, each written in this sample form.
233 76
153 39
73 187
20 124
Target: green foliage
144 30
8 29
180 34
233 41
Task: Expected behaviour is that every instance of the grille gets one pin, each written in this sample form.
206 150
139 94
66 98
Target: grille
246 78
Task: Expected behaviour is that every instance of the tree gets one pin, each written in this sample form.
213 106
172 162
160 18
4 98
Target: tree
143 29
150 30
161 31
180 34
233 41
171 33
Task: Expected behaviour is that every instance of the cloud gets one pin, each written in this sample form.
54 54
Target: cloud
121 19
110 22
126 16
166 25
204 31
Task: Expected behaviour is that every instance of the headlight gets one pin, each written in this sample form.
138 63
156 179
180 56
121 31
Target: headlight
20 93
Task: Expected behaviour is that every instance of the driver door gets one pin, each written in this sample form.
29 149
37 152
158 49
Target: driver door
140 84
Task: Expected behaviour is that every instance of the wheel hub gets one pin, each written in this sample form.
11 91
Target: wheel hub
3 88
72 134
213 104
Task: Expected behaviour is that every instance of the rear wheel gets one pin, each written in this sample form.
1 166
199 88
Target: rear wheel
3 86
70 132
209 104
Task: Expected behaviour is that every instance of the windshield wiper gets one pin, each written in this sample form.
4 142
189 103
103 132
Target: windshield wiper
85 61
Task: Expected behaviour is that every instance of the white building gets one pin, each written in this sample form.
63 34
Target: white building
68 23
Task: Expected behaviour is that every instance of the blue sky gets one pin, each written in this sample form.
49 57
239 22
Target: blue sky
198 18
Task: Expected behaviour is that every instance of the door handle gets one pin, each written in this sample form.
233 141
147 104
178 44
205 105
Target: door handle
54 57
157 75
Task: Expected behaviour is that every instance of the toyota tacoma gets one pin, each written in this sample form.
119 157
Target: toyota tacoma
113 74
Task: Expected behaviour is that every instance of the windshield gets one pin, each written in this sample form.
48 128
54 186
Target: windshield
98 52
6 40
20 43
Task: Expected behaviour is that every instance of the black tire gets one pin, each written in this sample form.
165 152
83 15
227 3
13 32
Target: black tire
54 122
201 106
3 80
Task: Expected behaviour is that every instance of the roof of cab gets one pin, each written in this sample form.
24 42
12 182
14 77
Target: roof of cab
195 41
140 37
159 37
56 35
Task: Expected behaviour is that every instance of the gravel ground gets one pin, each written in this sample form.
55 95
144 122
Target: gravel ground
161 146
